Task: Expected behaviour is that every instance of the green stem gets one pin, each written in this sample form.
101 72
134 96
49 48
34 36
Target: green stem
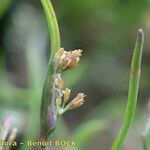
133 91
48 92
53 26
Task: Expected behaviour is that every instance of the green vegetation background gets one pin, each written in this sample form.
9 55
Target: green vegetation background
106 31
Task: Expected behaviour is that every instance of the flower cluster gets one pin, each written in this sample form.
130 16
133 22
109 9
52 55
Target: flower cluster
8 134
66 60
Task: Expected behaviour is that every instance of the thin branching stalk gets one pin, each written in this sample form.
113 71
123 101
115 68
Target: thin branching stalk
133 91
48 92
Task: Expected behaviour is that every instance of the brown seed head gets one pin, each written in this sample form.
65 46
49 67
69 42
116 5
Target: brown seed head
66 93
58 81
77 101
67 59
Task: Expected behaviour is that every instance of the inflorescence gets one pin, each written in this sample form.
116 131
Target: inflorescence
65 60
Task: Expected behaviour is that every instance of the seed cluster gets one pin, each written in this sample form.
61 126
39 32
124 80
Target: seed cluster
65 60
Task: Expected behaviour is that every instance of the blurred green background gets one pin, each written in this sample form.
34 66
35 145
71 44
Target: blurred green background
106 31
